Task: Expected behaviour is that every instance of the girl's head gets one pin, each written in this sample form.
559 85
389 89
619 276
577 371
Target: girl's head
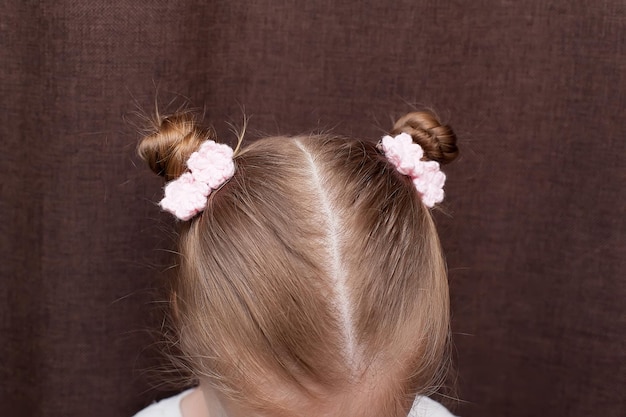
313 282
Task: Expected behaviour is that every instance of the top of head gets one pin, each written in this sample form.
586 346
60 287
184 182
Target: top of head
314 279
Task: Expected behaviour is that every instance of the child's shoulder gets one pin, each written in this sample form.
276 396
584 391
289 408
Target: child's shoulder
168 407
425 407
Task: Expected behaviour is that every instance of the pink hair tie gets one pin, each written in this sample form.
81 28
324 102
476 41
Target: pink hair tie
407 156
209 167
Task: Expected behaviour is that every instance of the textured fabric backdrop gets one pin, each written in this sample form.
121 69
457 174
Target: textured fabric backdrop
533 224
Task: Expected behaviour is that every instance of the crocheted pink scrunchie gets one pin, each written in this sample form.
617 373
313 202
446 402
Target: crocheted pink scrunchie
209 167
212 165
407 156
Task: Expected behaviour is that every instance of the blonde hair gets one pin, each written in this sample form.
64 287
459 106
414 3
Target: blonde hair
314 279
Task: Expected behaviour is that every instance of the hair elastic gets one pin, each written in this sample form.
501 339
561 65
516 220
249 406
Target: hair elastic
209 167
212 165
406 156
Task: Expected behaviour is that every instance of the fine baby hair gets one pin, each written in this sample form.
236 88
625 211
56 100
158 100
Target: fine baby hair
310 277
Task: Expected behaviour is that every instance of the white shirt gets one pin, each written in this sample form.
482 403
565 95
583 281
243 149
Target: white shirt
170 407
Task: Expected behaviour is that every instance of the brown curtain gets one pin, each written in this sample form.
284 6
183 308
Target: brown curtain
533 225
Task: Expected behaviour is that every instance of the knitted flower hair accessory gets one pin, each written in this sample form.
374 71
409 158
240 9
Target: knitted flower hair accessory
209 167
406 156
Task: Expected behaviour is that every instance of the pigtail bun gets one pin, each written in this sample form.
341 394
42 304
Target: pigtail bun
168 148
437 140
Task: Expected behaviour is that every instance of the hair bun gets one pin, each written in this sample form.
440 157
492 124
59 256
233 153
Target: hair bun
169 147
437 140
